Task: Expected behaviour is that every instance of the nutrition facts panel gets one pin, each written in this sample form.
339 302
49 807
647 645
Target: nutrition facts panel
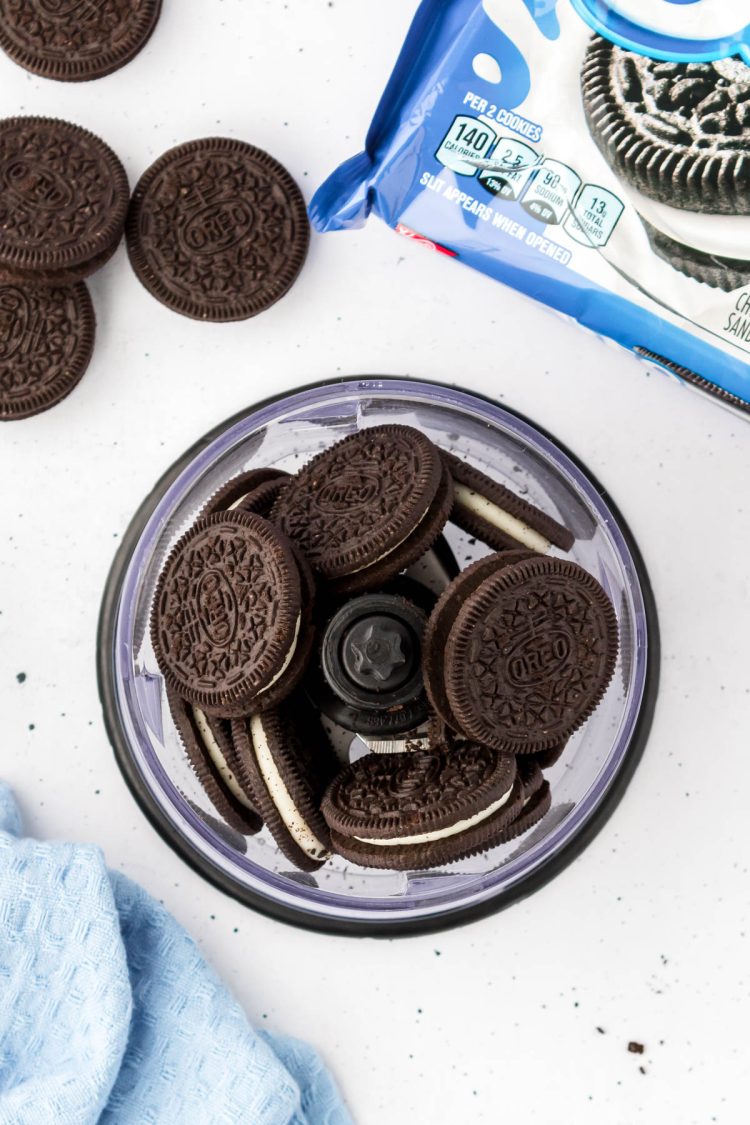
547 189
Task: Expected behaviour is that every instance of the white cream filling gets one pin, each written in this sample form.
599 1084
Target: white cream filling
725 235
300 832
287 658
502 520
442 833
238 502
707 19
218 758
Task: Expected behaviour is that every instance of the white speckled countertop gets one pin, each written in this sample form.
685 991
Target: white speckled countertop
526 1015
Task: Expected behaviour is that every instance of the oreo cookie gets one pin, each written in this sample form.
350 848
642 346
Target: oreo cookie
536 802
546 759
208 745
678 134
406 554
367 507
217 230
284 757
530 655
422 809
230 495
75 42
441 622
262 499
46 341
227 614
63 199
498 517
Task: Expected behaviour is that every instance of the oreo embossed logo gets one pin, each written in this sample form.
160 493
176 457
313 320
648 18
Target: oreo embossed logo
355 490
538 657
37 186
217 606
217 227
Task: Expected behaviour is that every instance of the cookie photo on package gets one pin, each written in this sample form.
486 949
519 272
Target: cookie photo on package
593 155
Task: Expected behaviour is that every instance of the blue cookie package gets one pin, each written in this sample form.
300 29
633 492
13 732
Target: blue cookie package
593 155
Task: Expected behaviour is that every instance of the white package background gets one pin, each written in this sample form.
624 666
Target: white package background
527 1015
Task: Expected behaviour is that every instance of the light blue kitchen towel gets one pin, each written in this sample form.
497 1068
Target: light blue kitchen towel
108 1012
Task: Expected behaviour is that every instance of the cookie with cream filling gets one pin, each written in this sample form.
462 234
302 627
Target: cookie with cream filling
677 136
441 621
227 612
284 758
422 809
498 517
208 745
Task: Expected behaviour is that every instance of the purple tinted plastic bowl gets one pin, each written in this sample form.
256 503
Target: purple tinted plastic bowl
586 783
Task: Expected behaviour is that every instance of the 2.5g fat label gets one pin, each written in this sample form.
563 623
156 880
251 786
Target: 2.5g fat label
512 164
468 139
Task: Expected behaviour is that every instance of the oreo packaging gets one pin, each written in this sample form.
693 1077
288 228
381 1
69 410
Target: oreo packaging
591 155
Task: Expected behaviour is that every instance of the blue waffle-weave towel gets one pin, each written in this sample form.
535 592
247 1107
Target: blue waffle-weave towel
108 1012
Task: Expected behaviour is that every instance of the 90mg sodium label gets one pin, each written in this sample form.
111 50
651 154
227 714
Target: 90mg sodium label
551 192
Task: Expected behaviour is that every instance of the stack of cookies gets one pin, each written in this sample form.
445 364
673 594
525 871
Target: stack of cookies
286 614
63 201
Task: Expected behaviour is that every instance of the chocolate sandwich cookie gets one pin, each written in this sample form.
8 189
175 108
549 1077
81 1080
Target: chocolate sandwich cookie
678 134
296 669
217 230
63 199
546 759
262 499
74 41
536 803
230 495
422 809
46 341
441 622
353 508
227 613
530 655
286 760
495 515
720 272
413 548
530 775
208 745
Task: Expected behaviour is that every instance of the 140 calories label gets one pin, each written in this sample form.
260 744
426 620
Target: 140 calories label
468 139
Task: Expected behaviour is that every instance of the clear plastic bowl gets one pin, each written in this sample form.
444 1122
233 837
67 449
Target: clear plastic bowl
586 783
